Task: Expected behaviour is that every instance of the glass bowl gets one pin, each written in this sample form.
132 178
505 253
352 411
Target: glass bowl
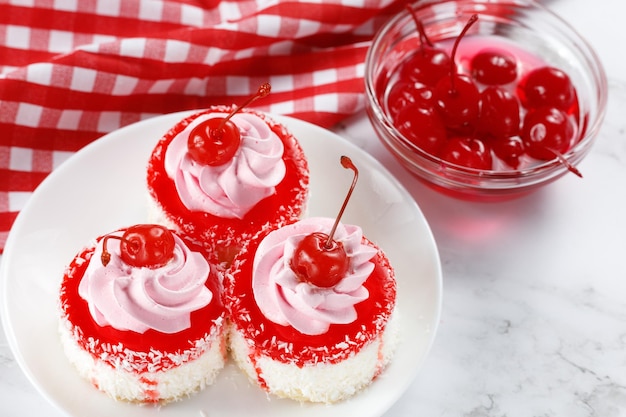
533 33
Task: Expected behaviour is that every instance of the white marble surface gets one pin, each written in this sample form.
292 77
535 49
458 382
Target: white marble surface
534 308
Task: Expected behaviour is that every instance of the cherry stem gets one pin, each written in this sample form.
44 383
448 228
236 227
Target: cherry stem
565 162
263 90
420 28
348 164
105 258
469 24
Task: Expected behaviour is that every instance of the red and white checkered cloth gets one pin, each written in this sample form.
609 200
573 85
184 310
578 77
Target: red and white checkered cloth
73 70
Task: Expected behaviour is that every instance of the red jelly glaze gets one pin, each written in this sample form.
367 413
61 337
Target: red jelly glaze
77 312
278 209
287 345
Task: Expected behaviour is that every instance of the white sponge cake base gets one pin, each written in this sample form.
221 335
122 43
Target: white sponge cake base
148 387
320 382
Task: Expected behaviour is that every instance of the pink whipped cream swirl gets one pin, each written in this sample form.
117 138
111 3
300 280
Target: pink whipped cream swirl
284 299
232 189
138 299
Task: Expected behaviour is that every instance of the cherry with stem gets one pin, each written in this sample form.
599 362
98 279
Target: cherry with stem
429 64
142 245
457 96
455 46
319 259
215 141
547 133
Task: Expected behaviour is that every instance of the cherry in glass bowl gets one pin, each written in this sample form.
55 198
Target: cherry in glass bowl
540 93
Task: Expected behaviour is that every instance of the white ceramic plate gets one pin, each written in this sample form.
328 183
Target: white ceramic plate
101 188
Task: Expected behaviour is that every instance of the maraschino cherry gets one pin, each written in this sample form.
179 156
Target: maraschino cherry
547 133
318 259
409 94
215 141
429 64
457 96
423 127
494 67
547 86
499 113
469 152
142 245
509 149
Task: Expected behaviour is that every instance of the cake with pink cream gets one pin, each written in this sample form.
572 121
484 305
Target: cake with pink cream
142 316
305 340
224 174
311 305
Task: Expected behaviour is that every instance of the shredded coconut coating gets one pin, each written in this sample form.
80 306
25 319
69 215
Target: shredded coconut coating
145 377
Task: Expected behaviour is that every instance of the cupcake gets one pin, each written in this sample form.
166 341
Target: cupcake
312 309
309 327
142 317
224 174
